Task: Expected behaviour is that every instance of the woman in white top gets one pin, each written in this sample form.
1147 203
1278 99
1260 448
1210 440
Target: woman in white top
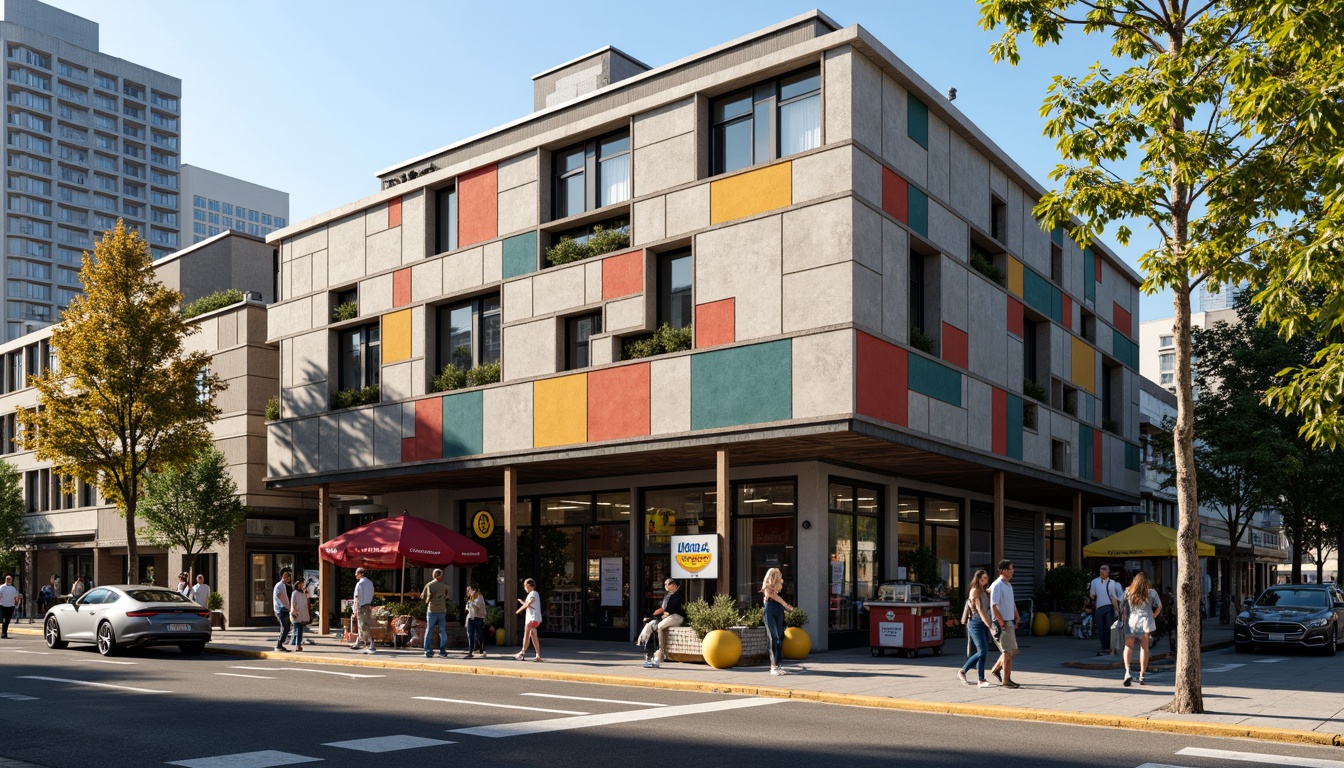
1141 607
298 612
475 621
532 618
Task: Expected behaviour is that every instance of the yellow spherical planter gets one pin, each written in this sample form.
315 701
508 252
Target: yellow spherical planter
797 644
721 649
499 636
1040 626
1056 623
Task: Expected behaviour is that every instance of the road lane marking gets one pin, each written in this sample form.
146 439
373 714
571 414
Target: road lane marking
86 682
109 661
1224 668
305 669
498 706
266 759
1255 757
254 677
387 743
1162 765
35 653
505 730
17 697
1269 661
585 698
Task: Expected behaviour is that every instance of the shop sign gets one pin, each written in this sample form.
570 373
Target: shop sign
891 635
931 629
612 571
695 557
483 524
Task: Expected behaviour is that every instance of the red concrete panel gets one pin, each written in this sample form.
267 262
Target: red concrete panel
895 196
883 380
1097 256
956 346
999 411
1015 325
622 275
715 323
477 206
401 287
1067 306
394 212
1096 455
428 440
1124 321
618 402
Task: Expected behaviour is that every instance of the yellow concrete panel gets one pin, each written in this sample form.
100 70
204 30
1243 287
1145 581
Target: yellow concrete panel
748 194
1015 277
1084 359
397 336
560 411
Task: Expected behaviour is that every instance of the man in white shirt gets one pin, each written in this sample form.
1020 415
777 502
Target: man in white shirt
77 588
9 597
1107 606
200 591
364 612
280 597
1004 607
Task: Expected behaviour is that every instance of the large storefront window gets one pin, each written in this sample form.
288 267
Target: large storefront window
1056 542
856 556
763 530
669 511
580 541
935 523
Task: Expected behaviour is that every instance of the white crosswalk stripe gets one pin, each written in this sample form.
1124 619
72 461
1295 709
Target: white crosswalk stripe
592 721
499 706
586 698
1256 757
91 684
381 744
265 759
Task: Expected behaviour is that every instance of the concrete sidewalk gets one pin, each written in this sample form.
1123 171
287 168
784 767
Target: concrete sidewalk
1294 698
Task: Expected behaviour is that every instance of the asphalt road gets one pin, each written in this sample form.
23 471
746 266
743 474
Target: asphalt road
75 709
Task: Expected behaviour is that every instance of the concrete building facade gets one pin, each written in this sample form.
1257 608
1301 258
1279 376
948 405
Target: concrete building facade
888 353
89 138
219 203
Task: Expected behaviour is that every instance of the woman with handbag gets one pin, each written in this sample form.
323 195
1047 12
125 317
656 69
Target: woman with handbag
1142 606
299 613
977 620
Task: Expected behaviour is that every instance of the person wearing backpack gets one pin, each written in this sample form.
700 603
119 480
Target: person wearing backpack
1106 592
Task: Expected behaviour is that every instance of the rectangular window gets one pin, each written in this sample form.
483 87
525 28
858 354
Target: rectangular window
1056 265
774 119
360 356
674 289
1059 455
1164 341
1166 362
469 333
445 220
916 292
1029 350
998 219
592 175
578 332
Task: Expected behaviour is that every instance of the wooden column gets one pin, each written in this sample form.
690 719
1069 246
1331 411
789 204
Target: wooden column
1076 532
724 521
510 554
998 517
326 576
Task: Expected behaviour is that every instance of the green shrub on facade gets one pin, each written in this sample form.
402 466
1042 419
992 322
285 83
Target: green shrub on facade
985 266
487 373
349 398
662 341
920 341
452 377
1035 391
347 311
273 409
216 300
601 241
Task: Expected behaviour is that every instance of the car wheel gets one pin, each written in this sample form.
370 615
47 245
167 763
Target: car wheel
191 649
51 631
107 641
1242 647
1332 647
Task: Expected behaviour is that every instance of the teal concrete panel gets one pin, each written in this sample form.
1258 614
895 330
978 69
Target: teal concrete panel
917 205
1015 408
1132 457
935 380
1038 293
917 121
742 385
1085 452
1056 305
463 421
1089 275
1057 236
520 255
1124 350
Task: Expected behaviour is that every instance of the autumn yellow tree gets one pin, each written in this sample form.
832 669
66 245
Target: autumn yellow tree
124 397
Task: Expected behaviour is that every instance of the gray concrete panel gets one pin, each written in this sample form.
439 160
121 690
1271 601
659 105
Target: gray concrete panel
818 234
823 374
948 422
948 231
819 297
287 281
1036 443
308 242
592 281
375 219
345 257
492 262
517 171
987 328
979 415
329 452
743 262
301 273
670 395
387 435
666 164
507 418
970 183
559 289
628 314
867 103
918 412
396 381
838 78
998 181
952 296
519 209
940 158
384 250
823 174
895 281
375 295
279 449
663 123
407 419
1060 349
319 262
414 230
427 280
868 289
464 270
867 177
516 303
650 221
291 317
356 438
867 236
900 151
531 349
307 435
310 357
688 210
1017 222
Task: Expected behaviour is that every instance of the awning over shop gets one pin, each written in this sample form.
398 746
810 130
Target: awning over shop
1142 540
388 543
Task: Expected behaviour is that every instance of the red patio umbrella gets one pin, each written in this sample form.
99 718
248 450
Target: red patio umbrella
394 541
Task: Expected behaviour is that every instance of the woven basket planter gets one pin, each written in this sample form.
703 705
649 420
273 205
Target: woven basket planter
684 645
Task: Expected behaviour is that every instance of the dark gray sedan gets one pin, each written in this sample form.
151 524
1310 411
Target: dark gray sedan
1293 615
128 616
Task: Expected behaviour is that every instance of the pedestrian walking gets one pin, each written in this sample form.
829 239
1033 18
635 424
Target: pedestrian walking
364 613
978 617
435 595
1142 607
474 608
9 598
1106 593
280 601
1006 620
200 591
530 607
184 585
775 606
299 613
77 588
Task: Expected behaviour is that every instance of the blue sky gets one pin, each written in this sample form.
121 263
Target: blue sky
314 97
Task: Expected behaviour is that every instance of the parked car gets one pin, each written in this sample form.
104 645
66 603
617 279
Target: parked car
128 616
1292 615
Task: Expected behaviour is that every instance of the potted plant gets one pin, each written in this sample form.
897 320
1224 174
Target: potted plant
720 647
215 602
797 643
494 624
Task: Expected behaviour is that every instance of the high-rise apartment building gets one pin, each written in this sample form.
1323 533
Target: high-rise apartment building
89 138
220 203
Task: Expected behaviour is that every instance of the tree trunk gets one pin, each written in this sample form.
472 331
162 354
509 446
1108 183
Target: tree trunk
1295 530
132 551
1188 697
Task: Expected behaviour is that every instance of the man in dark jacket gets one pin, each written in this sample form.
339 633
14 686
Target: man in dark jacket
672 613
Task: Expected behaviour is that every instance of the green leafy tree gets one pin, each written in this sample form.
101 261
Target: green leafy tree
125 398
1199 132
13 533
192 508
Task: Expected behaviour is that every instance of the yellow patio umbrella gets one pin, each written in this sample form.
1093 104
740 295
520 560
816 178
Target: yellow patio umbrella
1142 540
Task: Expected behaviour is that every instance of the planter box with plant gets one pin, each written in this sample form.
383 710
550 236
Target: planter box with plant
686 643
350 398
662 341
347 311
216 300
922 342
215 603
452 377
603 240
1035 391
984 264
273 409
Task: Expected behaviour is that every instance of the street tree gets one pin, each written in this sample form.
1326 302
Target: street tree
192 508
13 533
1178 136
124 397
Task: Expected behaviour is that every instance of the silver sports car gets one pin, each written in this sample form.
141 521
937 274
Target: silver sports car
128 616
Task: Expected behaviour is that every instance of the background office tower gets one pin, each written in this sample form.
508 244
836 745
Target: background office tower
89 138
220 203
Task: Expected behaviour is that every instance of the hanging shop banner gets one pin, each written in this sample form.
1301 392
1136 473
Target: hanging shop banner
612 582
695 557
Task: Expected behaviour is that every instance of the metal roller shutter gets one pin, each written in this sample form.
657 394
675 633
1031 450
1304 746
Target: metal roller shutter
1019 545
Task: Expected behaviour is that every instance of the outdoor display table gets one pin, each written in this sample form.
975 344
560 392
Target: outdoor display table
905 626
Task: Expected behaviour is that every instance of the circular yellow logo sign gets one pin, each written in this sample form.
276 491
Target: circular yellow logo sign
694 562
483 524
